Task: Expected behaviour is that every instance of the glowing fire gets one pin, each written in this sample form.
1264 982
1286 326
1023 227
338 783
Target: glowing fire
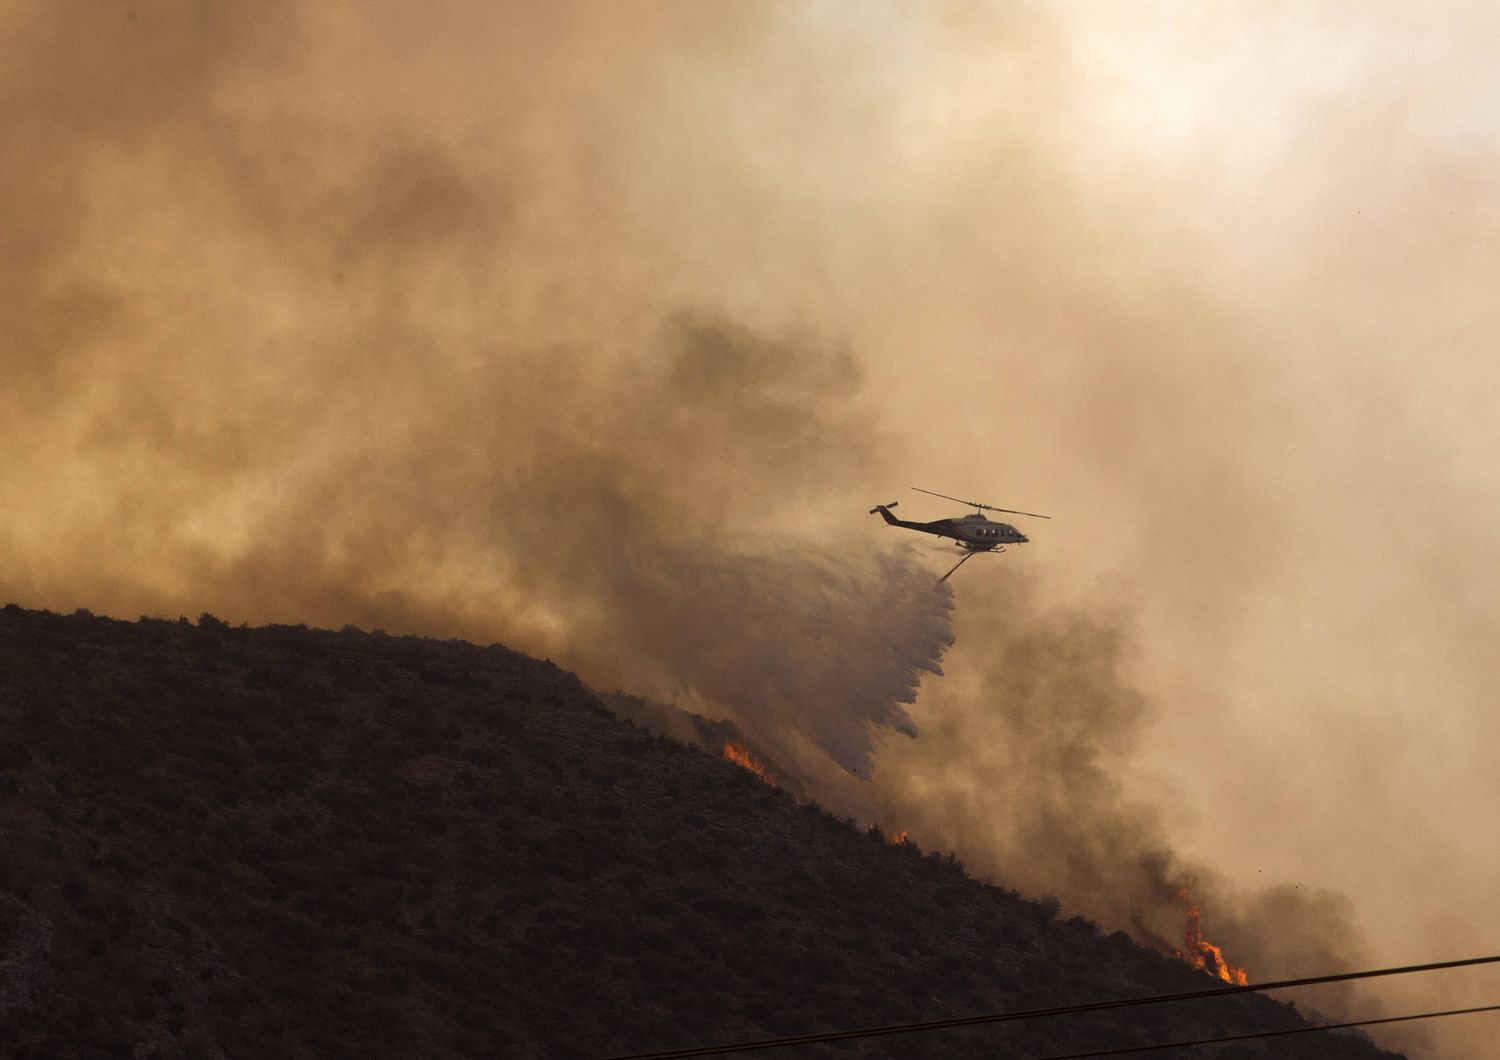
900 837
1204 955
740 755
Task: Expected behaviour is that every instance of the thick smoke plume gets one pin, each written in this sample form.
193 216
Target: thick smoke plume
319 413
596 328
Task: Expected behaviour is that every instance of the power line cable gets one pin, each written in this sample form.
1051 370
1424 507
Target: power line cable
1275 1034
1061 1010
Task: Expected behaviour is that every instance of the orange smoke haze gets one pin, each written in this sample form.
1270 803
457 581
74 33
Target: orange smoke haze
597 328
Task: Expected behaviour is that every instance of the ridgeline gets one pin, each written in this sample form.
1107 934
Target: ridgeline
284 842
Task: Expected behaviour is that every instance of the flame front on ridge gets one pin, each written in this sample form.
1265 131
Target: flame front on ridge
740 755
1204 955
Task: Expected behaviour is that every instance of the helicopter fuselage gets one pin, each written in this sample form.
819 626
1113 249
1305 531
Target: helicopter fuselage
972 532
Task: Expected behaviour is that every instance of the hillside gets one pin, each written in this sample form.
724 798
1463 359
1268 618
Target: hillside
285 842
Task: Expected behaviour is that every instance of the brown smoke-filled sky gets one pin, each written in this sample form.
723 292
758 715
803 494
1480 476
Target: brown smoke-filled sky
596 329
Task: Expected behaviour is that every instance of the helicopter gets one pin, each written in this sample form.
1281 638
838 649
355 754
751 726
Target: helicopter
975 533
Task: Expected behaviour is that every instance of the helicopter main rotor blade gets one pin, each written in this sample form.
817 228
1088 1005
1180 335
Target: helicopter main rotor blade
972 504
1012 511
976 504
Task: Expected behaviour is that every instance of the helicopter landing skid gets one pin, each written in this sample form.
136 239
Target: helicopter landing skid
968 556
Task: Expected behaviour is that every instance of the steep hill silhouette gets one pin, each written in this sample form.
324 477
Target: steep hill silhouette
286 842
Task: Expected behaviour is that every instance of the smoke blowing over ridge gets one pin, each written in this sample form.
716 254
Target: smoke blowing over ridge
359 314
1021 766
379 450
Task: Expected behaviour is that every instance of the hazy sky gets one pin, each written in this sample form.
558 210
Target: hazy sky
596 329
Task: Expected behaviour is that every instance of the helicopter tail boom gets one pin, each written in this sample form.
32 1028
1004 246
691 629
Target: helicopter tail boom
885 513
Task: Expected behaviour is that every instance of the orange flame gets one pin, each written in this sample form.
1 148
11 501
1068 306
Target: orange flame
900 837
1204 955
740 755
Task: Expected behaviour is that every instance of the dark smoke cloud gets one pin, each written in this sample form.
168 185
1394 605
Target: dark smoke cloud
631 508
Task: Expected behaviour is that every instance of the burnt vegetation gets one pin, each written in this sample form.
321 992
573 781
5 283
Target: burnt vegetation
286 842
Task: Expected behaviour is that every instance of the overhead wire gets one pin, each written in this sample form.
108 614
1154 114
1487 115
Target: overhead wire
1273 1034
1059 1010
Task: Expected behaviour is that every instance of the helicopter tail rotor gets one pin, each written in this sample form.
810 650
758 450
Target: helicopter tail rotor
878 507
